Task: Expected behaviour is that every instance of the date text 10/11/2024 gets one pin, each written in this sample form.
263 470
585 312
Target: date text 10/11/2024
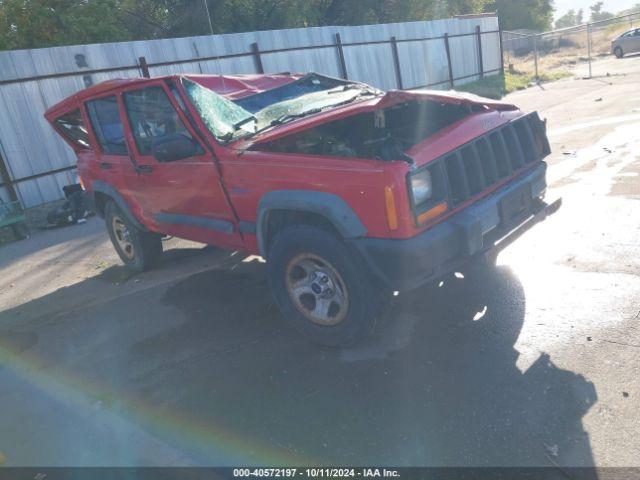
316 472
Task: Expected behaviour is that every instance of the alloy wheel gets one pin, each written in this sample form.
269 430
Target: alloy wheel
123 237
317 289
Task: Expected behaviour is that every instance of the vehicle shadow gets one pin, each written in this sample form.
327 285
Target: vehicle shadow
432 386
436 385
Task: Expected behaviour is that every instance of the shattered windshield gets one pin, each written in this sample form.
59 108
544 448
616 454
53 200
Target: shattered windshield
227 120
309 103
222 117
310 83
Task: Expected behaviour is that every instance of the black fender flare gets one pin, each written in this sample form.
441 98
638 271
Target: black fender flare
110 191
328 205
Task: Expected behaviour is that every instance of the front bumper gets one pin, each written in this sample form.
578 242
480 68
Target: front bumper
486 226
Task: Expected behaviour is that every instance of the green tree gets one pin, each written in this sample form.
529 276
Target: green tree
569 19
44 23
527 14
598 14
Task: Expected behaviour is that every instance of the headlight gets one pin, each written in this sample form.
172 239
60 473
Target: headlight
421 187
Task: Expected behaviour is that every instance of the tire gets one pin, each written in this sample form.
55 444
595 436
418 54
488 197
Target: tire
618 52
337 312
138 249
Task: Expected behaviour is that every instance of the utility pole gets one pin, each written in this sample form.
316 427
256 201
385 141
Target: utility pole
206 7
535 54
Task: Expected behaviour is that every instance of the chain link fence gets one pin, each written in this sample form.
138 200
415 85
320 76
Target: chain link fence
557 53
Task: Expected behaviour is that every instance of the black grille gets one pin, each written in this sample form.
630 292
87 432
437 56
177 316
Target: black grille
484 162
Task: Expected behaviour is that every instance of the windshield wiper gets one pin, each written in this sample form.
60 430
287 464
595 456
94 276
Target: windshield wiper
227 137
350 86
291 116
287 117
237 125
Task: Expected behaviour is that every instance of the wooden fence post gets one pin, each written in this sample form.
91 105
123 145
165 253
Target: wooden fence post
448 50
479 43
343 65
256 57
396 62
142 62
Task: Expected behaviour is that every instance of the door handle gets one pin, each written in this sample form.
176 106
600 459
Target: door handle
105 165
144 168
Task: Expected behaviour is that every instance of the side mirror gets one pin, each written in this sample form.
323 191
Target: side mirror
173 147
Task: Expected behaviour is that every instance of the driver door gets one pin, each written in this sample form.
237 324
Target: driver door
176 181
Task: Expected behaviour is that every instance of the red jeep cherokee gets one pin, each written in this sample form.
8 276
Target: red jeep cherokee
348 192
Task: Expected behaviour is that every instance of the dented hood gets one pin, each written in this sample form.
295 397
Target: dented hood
453 97
488 113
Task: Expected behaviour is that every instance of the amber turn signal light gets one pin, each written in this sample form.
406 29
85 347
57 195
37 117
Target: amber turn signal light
432 213
392 214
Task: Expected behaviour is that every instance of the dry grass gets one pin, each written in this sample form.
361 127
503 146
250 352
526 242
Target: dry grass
497 86
564 52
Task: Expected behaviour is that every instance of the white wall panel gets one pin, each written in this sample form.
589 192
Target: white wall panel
31 147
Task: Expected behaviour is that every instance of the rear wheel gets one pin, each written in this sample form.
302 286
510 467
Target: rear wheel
618 52
139 249
320 288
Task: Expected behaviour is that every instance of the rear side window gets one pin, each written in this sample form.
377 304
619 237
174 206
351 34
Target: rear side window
71 126
154 121
105 120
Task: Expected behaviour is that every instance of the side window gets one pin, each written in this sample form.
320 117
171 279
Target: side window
72 127
105 120
156 126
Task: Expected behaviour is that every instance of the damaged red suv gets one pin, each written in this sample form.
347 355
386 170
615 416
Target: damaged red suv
349 193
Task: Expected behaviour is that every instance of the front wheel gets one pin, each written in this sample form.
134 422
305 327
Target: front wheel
320 288
618 52
139 249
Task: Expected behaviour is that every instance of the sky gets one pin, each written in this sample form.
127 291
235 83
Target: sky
563 6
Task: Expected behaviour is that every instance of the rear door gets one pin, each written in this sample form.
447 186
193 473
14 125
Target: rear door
72 125
177 182
113 162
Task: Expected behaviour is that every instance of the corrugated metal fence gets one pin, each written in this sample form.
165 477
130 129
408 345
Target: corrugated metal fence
436 54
